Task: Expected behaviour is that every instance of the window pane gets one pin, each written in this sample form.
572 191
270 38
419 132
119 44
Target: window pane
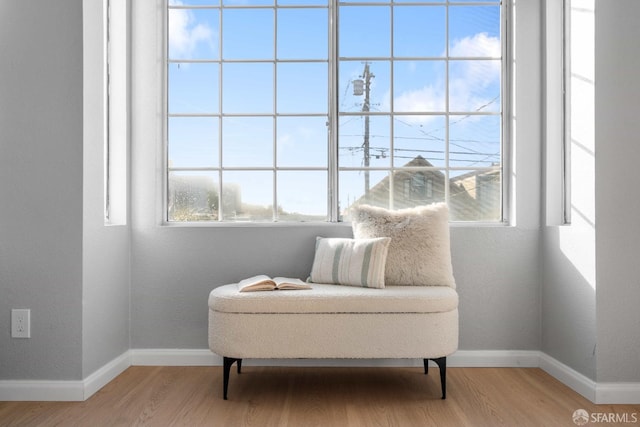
247 34
419 31
474 31
247 196
193 196
193 34
478 1
364 1
417 187
354 74
474 86
419 139
193 142
302 195
474 141
475 196
247 141
247 88
364 31
303 34
352 189
421 1
247 2
303 2
193 88
193 2
302 142
302 87
419 86
582 113
353 138
581 51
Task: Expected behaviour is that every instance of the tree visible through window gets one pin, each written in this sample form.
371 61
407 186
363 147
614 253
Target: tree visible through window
298 109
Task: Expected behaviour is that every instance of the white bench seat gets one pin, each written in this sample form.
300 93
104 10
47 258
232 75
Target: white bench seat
336 299
332 321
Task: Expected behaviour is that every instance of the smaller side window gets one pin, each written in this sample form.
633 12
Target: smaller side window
116 109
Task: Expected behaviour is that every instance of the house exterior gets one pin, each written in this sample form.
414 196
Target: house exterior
474 196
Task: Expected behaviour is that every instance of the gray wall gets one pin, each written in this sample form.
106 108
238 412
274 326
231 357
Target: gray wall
617 204
568 300
56 256
41 187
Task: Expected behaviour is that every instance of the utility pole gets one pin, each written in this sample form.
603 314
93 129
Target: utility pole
358 90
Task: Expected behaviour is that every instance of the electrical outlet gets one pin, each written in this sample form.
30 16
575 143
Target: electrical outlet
21 323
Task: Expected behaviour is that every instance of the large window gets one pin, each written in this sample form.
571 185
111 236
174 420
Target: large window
294 110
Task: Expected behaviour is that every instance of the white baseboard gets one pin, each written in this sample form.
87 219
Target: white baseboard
106 374
197 357
462 358
33 390
174 357
618 393
601 393
494 359
568 376
63 391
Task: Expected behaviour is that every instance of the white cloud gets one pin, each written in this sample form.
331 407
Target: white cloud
185 33
428 98
467 80
480 44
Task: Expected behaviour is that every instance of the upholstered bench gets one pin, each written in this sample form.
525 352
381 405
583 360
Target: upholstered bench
387 293
330 321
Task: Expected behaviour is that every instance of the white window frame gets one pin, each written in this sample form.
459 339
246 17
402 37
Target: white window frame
117 106
333 116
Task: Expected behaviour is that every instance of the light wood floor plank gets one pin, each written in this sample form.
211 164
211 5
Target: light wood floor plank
307 397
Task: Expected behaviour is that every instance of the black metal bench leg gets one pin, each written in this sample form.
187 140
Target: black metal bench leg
442 364
226 367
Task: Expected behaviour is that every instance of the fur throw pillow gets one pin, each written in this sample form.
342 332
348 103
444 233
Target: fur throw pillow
419 251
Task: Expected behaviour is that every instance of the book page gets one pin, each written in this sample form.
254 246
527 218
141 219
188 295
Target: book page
256 283
290 283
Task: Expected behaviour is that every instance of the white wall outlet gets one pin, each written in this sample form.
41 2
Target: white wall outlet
21 323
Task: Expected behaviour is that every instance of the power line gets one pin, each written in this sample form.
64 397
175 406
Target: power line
357 148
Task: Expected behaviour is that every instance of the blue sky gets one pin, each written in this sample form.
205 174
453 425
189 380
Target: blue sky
414 88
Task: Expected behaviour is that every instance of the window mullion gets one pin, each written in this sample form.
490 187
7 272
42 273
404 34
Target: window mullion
447 119
274 136
333 180
392 111
220 121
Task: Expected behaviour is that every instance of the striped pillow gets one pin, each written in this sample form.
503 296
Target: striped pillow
351 262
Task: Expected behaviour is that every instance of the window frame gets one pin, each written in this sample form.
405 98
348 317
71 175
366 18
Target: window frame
566 114
116 104
333 115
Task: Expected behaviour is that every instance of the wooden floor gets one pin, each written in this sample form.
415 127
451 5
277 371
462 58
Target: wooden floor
301 397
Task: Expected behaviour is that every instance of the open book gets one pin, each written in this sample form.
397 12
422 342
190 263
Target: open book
266 283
